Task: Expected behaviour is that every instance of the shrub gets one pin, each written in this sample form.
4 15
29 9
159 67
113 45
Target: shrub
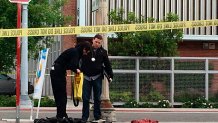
153 96
10 101
146 105
7 101
45 102
163 104
187 95
120 96
131 104
187 104
160 104
200 102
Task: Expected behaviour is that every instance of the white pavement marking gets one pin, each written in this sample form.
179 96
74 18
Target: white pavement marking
14 121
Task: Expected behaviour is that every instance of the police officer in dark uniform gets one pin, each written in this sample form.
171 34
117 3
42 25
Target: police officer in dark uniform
92 68
68 60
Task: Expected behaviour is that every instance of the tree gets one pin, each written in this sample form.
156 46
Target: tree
145 43
41 13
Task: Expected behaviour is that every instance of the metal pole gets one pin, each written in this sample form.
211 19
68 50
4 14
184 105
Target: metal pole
137 81
18 66
172 89
206 79
25 100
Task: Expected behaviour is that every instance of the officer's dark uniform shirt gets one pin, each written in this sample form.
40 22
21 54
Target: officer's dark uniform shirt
68 60
93 68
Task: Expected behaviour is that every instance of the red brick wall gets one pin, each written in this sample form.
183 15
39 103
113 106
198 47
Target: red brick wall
69 9
195 49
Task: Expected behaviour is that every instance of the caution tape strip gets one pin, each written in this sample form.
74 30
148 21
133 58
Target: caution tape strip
105 28
32 74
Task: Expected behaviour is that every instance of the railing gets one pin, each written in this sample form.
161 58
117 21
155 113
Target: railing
147 79
172 78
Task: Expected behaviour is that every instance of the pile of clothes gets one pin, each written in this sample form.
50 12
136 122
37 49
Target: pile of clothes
57 120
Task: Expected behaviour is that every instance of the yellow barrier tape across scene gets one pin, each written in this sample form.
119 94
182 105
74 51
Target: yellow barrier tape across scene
105 28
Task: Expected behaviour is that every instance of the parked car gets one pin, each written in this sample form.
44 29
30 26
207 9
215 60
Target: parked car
8 85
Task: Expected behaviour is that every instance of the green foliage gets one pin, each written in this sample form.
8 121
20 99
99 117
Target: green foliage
152 96
123 63
146 105
41 13
155 64
187 104
190 65
215 105
7 101
120 96
45 102
131 103
144 43
187 94
199 102
163 104
10 101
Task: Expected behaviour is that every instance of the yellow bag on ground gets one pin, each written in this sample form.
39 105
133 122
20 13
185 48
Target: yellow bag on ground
77 86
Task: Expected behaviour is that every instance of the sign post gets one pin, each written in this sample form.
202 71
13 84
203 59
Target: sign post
18 65
18 57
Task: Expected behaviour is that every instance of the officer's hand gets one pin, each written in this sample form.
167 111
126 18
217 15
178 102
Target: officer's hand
110 80
78 71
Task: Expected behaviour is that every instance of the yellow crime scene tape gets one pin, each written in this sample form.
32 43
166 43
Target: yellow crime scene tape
105 28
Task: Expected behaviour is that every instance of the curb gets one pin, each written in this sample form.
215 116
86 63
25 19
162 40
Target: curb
79 109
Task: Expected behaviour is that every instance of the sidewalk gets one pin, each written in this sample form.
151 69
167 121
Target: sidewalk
121 112
71 107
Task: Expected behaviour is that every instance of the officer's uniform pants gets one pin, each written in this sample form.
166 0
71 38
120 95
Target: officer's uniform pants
58 81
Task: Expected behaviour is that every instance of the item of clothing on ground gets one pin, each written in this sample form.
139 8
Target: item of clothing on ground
68 60
58 120
93 76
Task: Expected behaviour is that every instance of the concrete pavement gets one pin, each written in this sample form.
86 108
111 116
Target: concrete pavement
124 115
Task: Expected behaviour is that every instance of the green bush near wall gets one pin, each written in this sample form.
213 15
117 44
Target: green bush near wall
120 96
199 102
152 96
7 101
10 101
45 102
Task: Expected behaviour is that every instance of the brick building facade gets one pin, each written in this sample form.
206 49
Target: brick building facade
68 41
196 49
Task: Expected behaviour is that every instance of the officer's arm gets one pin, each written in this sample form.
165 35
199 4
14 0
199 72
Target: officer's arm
108 68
